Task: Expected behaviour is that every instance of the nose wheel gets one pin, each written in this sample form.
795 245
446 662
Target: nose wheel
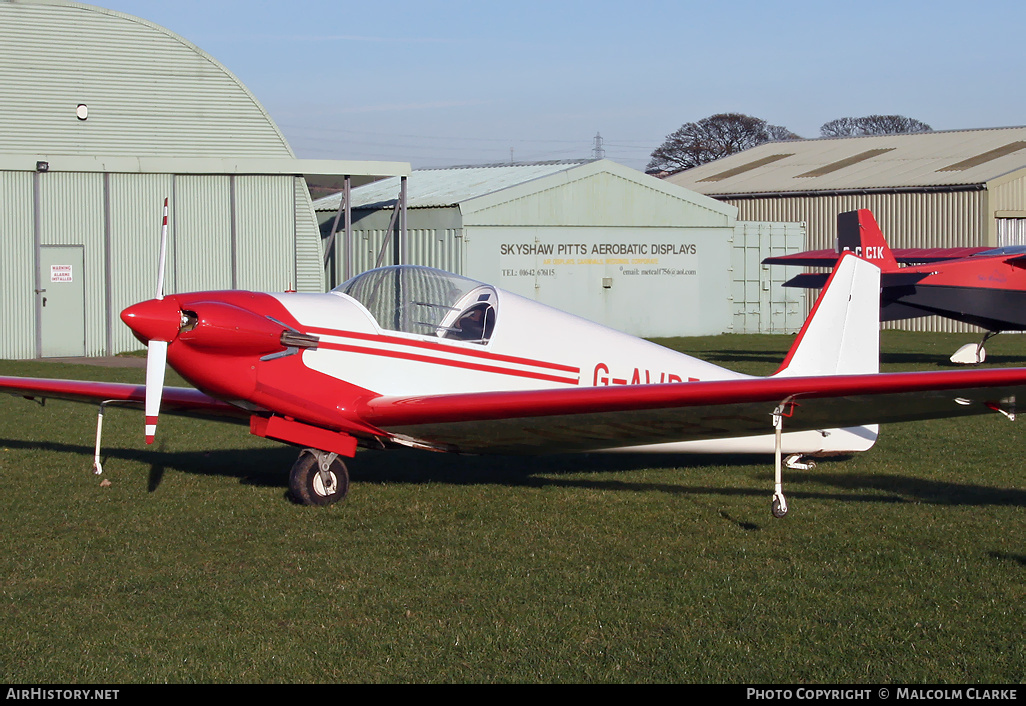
318 478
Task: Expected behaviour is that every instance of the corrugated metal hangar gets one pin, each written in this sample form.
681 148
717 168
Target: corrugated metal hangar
594 238
933 189
104 115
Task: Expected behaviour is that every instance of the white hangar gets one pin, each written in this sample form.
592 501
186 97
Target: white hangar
104 116
594 238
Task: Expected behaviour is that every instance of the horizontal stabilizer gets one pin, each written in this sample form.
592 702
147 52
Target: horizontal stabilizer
904 256
809 258
808 280
1019 262
901 279
815 280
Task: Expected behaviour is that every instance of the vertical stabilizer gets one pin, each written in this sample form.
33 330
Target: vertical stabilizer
858 232
842 334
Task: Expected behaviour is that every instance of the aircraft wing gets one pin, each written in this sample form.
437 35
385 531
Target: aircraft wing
809 258
183 401
592 418
908 256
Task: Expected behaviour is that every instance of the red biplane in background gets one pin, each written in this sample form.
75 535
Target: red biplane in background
410 356
985 287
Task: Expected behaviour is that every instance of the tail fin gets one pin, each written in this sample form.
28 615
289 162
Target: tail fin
842 334
858 232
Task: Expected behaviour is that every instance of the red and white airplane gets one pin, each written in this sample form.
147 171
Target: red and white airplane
410 356
985 287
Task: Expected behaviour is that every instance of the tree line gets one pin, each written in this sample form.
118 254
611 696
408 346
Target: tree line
726 133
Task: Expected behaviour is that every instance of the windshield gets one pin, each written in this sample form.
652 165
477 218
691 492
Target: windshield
425 301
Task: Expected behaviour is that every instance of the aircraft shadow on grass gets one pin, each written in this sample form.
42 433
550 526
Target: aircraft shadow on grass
262 468
726 357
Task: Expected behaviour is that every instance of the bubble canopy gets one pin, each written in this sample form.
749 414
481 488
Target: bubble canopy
426 302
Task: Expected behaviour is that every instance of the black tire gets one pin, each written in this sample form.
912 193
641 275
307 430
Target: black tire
777 509
306 486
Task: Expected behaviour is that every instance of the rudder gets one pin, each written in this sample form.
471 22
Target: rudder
858 232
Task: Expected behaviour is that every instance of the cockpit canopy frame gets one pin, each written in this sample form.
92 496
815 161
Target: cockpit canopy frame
426 302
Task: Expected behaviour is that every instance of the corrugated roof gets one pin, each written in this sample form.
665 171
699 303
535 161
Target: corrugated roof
955 158
436 188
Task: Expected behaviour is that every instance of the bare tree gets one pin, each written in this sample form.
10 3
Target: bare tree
872 125
714 137
778 133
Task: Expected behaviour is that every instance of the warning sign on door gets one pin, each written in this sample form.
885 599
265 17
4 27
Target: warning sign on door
60 273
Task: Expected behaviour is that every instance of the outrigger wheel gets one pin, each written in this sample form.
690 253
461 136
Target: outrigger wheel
318 478
779 505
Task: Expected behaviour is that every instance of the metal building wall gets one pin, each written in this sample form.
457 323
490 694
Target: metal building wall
434 238
431 247
601 208
1009 195
441 247
265 262
17 257
71 214
1008 203
224 232
625 277
203 247
309 271
907 219
136 203
592 205
760 303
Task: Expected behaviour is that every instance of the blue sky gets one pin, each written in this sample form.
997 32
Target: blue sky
440 83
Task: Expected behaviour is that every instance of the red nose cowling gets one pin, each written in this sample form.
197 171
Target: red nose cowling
224 343
228 329
217 326
153 320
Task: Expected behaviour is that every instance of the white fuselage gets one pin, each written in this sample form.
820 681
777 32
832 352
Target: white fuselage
532 346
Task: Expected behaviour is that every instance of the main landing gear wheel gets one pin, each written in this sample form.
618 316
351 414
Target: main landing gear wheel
318 478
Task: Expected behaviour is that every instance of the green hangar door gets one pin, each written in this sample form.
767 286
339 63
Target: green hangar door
61 301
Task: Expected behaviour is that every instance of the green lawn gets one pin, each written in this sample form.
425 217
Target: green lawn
903 564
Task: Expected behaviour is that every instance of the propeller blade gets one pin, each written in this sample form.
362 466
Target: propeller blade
156 358
156 351
163 255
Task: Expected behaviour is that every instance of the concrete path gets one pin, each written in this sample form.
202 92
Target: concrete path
118 361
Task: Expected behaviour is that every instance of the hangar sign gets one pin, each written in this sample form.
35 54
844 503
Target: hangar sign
629 259
655 281
61 273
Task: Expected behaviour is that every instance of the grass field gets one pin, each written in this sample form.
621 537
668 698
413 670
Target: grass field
900 565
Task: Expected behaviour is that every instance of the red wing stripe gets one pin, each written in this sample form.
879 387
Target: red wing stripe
451 363
450 350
